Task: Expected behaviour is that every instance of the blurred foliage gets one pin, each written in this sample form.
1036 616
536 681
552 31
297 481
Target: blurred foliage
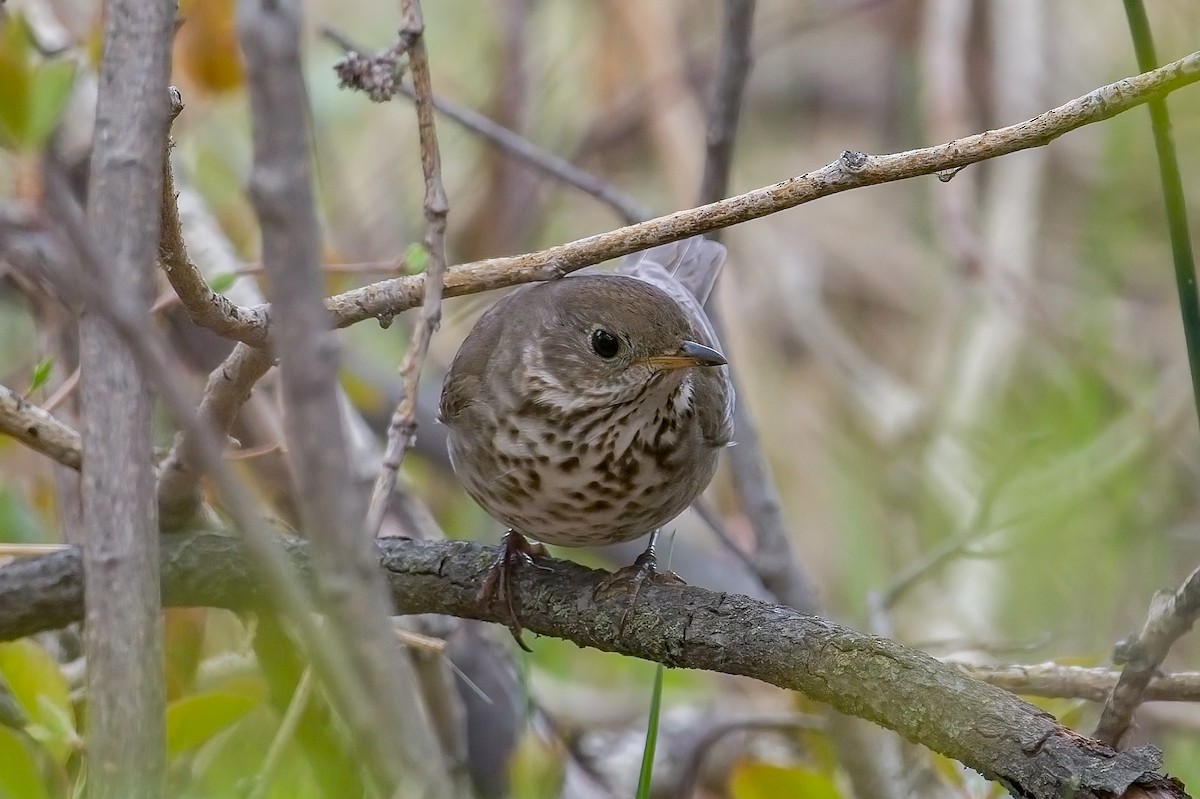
1073 473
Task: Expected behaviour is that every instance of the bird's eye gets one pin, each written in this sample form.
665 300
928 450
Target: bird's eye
605 344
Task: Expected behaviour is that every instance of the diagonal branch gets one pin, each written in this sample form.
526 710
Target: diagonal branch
38 429
1171 615
385 299
928 702
511 142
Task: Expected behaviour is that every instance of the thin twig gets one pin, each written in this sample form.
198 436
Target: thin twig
402 429
38 429
387 298
511 142
773 561
733 69
1171 615
207 308
228 388
1056 681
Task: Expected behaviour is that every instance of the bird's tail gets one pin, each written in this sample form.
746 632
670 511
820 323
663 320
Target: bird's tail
692 263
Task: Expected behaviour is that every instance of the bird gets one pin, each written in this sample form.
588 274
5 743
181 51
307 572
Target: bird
591 409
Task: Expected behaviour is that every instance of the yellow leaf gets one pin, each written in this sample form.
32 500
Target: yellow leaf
751 780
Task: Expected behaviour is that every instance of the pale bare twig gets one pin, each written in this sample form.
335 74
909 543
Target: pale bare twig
206 307
513 143
38 429
1172 613
385 299
228 388
403 426
1057 681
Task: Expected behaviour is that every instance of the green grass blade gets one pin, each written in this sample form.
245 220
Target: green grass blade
1173 198
647 770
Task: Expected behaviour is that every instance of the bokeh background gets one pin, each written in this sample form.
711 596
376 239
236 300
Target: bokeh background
988 372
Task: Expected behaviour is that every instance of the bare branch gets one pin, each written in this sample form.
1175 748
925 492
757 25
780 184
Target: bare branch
123 631
733 69
928 702
1172 613
206 307
38 429
511 142
383 709
228 388
1076 682
402 429
387 298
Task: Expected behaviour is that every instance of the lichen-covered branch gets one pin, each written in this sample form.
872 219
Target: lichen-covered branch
927 701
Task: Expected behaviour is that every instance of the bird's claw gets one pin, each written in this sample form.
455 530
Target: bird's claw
633 578
514 548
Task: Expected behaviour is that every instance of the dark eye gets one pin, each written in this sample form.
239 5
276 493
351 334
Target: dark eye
605 344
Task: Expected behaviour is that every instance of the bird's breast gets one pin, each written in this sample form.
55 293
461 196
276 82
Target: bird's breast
592 477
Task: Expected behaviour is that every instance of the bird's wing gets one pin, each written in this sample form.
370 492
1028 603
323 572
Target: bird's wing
692 263
686 270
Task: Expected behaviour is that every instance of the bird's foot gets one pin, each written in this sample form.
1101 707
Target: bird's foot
514 548
633 578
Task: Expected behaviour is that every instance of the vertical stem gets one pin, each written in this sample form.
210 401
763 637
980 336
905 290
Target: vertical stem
123 640
1173 197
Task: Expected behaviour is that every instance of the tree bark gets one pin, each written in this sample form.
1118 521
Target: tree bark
123 635
928 702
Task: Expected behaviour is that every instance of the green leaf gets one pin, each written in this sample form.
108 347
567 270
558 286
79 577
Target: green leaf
42 691
229 763
765 781
223 282
41 373
193 720
416 258
20 777
51 87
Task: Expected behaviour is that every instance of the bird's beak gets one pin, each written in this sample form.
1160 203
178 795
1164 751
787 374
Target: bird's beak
690 354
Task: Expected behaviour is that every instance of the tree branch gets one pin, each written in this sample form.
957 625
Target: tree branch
926 701
38 429
385 299
356 67
123 639
381 707
1076 682
1171 615
402 429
